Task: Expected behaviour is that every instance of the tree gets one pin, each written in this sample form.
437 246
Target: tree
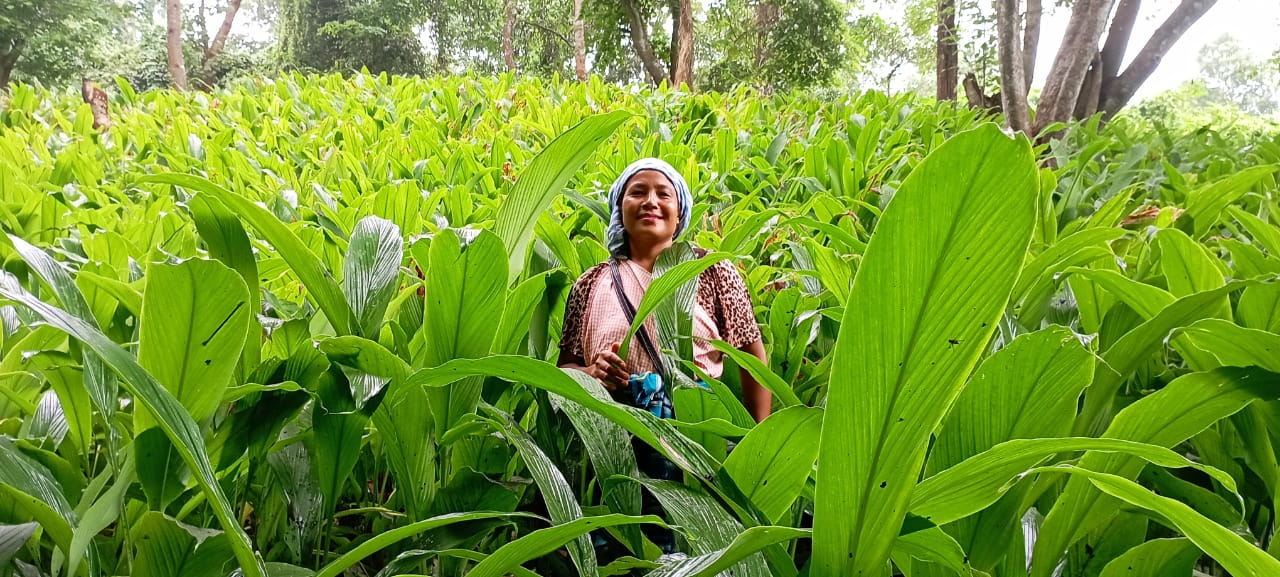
1085 78
1233 76
52 40
948 65
638 26
210 51
579 42
682 42
773 44
333 35
173 43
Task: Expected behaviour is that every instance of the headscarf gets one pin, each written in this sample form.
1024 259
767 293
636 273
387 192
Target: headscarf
616 235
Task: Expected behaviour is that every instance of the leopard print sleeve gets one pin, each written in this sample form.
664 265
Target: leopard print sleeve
575 311
734 311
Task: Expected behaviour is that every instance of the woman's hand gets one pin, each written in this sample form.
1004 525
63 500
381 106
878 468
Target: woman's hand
610 369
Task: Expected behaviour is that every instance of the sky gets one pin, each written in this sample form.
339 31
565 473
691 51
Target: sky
1254 23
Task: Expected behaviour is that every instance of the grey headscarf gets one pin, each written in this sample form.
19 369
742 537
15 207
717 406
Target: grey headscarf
616 235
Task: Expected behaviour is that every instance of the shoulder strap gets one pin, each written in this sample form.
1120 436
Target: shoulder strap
643 335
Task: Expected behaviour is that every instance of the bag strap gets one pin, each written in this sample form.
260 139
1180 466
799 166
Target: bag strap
645 342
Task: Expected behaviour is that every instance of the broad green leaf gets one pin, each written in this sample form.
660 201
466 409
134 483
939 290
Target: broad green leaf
125 294
1188 267
1205 204
166 547
29 487
1136 347
977 482
104 512
169 413
1237 556
1264 233
404 420
303 262
370 273
60 372
609 447
557 240
100 382
417 556
747 543
557 495
194 321
338 429
1155 558
767 378
771 464
674 316
517 315
466 295
366 356
1029 389
933 546
13 538
704 522
226 240
541 181
665 286
544 541
655 432
1233 345
1180 410
1039 275
1147 300
933 283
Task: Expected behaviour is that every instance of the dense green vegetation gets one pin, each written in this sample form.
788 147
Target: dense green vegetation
218 351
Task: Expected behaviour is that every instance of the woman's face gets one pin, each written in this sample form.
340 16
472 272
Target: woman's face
650 208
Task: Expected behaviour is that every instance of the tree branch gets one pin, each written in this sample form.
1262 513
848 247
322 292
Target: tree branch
1012 79
1117 93
1066 76
1118 38
220 39
550 31
640 41
1031 43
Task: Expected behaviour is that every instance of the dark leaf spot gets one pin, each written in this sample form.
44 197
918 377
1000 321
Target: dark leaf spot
884 484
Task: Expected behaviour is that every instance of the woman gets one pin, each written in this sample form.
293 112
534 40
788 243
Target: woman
650 206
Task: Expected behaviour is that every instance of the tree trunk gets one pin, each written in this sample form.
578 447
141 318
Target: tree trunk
1118 37
767 14
440 23
8 60
1066 76
948 62
1012 80
1090 91
977 97
1031 43
508 48
1117 92
219 43
173 44
682 74
640 41
579 42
